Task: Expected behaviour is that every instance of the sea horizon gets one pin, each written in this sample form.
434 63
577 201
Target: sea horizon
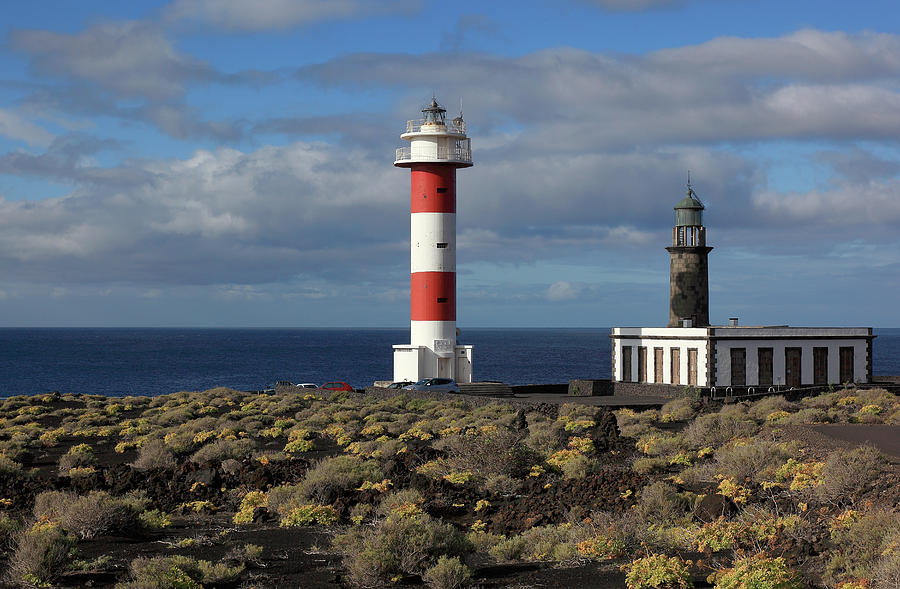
119 361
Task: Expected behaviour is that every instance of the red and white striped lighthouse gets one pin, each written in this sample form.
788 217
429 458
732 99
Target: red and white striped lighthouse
437 148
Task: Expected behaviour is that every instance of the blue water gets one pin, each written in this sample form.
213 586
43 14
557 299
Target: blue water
157 361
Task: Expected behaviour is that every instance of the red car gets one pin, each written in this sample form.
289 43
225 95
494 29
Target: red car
336 386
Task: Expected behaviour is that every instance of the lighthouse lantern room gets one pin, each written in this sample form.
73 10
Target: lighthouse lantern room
437 149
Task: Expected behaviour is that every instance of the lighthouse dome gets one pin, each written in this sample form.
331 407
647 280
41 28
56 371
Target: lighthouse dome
689 210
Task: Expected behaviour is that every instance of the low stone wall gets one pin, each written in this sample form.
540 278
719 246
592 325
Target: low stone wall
470 400
590 388
540 389
646 389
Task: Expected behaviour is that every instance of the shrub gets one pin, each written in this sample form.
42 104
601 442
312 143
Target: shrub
661 503
849 472
332 475
649 464
154 519
249 503
283 498
308 515
9 466
762 409
222 450
758 572
78 456
716 429
177 572
154 455
680 409
39 554
859 541
502 484
756 460
447 573
398 545
886 571
89 515
489 451
658 570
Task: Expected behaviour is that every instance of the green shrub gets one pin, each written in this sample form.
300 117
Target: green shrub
681 409
447 573
489 450
716 429
760 410
758 572
308 515
154 455
886 571
178 572
220 450
661 503
858 541
849 472
333 475
650 464
90 515
154 519
660 571
283 498
78 456
756 460
9 467
398 545
40 553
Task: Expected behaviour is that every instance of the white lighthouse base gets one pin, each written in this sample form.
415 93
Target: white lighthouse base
413 363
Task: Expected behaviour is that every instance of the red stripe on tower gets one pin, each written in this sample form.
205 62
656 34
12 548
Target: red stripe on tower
433 189
433 296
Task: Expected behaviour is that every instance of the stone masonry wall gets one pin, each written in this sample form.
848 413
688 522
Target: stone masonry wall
689 285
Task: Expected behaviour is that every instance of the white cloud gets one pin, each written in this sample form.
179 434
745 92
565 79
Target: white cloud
20 129
261 15
562 291
873 203
132 59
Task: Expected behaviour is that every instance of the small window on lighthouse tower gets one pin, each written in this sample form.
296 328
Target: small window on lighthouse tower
441 245
441 190
442 299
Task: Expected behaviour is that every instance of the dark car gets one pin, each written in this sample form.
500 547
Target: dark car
437 385
399 384
336 386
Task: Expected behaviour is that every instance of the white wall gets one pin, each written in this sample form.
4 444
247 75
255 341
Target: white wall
723 359
681 338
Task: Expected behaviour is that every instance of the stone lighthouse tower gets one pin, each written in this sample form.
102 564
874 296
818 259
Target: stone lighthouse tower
689 268
437 148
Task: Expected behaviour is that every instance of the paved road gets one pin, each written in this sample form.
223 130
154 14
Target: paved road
884 437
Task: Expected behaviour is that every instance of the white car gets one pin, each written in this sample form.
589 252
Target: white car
437 385
307 385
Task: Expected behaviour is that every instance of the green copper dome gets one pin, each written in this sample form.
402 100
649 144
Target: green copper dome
689 210
689 202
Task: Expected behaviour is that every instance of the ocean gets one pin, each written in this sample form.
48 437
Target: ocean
157 361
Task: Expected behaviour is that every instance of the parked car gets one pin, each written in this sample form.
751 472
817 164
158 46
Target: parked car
336 386
437 385
399 384
307 385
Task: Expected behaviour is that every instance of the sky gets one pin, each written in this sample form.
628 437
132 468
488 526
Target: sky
224 163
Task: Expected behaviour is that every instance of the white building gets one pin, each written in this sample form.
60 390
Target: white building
738 356
690 352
